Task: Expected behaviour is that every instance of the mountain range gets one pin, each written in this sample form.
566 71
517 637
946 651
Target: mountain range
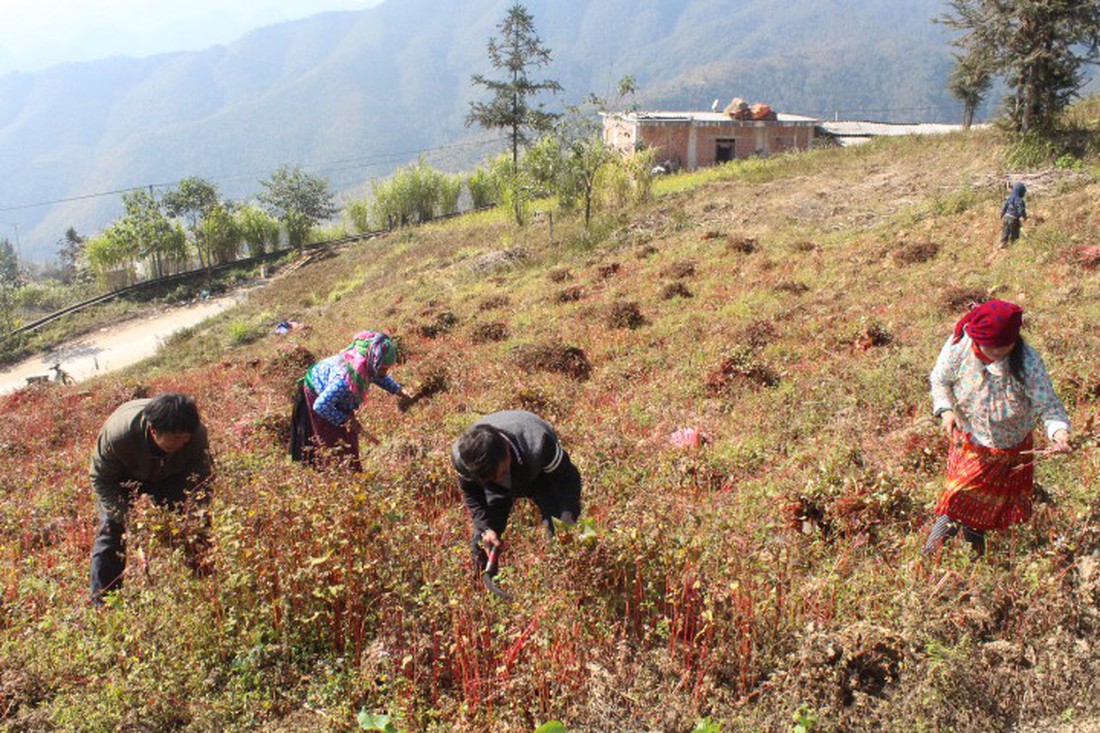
352 95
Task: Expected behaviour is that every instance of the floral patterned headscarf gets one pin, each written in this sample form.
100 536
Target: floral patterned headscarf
367 353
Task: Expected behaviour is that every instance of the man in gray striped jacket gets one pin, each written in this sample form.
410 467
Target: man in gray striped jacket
507 455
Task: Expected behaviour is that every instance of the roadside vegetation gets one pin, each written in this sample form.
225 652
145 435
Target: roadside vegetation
788 308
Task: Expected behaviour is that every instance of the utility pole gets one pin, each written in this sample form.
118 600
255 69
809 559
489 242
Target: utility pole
18 249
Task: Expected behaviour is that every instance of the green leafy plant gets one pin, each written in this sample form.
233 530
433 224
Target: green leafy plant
381 723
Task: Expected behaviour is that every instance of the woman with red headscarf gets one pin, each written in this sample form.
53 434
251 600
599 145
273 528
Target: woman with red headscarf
331 391
990 388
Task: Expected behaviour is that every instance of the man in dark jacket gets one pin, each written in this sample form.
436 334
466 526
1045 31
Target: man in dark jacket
507 455
152 446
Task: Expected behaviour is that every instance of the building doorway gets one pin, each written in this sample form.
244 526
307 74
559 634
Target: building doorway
725 150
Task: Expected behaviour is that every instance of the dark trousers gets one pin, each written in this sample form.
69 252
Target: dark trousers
1010 229
316 441
557 496
945 528
109 548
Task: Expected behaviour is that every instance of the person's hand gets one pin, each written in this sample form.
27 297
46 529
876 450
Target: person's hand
1059 442
491 539
950 422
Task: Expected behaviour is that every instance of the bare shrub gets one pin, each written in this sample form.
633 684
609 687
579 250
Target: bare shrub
443 322
289 362
493 302
625 314
679 270
957 298
645 251
500 259
873 334
758 334
485 332
1087 257
568 360
745 245
569 295
791 286
608 270
806 246
740 367
913 253
675 290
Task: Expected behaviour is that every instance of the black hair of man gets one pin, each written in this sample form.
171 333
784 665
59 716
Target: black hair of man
482 449
172 412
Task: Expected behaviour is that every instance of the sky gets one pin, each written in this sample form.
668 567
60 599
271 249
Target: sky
35 34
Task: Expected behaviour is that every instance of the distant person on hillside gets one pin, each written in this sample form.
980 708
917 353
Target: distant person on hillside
989 387
331 391
508 455
1013 211
152 446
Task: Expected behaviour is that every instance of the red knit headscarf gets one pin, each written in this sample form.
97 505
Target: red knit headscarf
994 323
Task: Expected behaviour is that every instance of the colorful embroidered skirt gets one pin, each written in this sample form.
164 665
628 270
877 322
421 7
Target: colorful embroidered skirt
987 488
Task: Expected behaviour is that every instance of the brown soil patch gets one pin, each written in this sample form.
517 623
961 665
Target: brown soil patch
559 275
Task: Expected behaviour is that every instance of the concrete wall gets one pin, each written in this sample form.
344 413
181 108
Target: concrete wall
694 144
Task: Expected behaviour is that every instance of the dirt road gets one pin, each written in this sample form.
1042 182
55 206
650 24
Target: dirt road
114 347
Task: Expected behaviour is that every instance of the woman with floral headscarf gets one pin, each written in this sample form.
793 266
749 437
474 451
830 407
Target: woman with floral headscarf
331 391
989 388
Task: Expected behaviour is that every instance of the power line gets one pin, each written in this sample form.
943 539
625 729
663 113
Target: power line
345 164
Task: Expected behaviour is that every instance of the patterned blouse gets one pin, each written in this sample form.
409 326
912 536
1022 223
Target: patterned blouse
989 403
335 400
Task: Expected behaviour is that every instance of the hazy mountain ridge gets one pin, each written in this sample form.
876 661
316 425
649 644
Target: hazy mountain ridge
359 85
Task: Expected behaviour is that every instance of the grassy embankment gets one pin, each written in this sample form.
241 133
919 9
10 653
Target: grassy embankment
790 308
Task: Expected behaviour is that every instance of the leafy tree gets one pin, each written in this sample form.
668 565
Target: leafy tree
1038 46
572 157
516 53
111 250
71 252
192 200
10 282
299 200
155 237
259 231
970 81
220 234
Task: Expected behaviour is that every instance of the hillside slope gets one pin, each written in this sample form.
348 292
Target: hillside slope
353 95
790 308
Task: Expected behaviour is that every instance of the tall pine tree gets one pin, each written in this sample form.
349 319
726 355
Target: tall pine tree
515 53
1038 46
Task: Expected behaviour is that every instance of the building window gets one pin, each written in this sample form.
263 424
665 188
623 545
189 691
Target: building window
782 143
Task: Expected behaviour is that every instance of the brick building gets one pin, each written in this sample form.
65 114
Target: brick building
700 139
